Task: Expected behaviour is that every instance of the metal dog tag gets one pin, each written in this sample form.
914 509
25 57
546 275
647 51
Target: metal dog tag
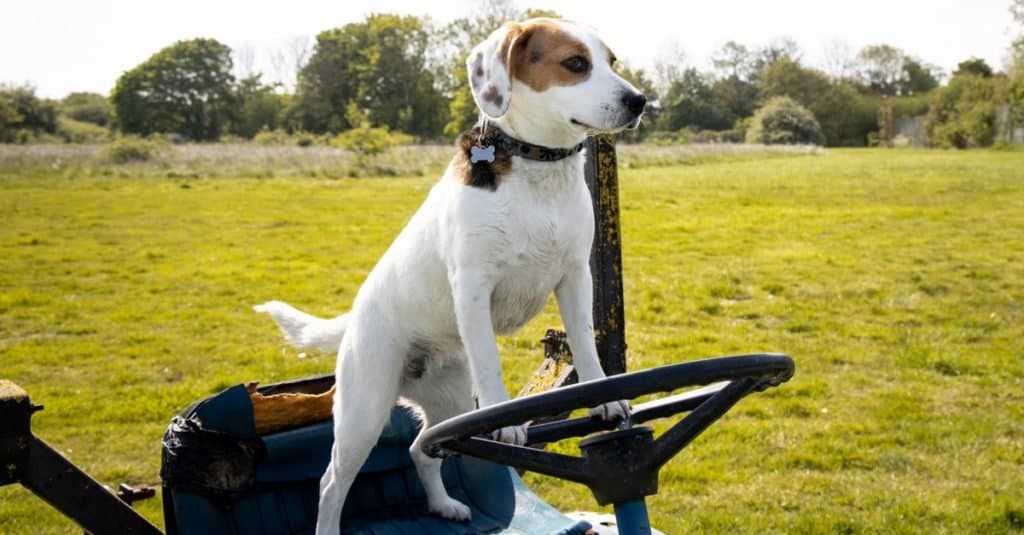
484 154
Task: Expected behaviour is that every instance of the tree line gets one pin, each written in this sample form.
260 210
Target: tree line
405 74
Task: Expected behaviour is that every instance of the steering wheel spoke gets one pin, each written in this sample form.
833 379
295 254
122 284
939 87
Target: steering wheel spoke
622 463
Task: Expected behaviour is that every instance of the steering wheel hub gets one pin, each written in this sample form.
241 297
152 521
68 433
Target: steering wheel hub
619 476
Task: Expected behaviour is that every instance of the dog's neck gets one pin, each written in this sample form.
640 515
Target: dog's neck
539 130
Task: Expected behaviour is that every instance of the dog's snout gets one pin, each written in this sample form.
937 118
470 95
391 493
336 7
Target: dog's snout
634 102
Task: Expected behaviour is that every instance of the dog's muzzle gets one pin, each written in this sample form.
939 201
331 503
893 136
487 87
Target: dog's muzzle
634 104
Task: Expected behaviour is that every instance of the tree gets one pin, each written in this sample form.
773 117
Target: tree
733 60
839 61
9 119
735 94
888 71
690 103
23 115
1015 59
1015 64
777 49
786 77
975 66
286 62
920 77
186 88
882 68
783 121
963 113
381 64
87 107
669 66
845 117
260 107
534 12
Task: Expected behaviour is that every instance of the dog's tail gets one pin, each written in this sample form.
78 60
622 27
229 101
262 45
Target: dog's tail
304 330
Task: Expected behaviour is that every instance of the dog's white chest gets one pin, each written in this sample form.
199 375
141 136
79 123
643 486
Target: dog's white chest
542 238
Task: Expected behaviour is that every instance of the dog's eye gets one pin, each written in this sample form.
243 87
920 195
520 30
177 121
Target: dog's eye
577 64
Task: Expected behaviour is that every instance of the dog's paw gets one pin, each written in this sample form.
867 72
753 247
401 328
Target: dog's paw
613 410
451 509
513 434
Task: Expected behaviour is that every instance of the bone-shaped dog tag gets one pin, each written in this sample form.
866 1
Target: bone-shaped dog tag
478 154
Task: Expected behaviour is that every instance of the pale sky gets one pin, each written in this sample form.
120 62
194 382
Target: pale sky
84 45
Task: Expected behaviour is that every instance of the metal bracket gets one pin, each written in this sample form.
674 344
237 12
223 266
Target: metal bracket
27 460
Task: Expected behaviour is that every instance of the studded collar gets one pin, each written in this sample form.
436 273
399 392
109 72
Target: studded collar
493 135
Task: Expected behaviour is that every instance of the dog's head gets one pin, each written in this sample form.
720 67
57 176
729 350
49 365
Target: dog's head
552 82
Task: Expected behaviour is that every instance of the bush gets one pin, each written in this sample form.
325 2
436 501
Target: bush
280 137
260 108
24 117
87 107
130 149
963 113
73 131
271 137
781 121
368 141
670 137
847 118
304 139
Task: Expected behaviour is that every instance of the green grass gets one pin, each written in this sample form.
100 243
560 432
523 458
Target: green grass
894 279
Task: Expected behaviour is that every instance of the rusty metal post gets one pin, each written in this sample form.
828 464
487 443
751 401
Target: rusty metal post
602 175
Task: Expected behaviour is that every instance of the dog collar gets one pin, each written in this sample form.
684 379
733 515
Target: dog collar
495 138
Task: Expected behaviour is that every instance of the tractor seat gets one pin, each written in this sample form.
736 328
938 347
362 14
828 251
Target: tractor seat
219 476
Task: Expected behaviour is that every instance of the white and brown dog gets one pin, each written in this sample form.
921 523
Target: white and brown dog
509 222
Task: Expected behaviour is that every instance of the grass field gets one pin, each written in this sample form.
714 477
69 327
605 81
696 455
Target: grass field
894 278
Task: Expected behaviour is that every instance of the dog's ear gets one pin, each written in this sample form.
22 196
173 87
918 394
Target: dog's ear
490 70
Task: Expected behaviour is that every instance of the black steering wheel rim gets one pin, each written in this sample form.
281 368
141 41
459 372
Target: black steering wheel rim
618 466
766 369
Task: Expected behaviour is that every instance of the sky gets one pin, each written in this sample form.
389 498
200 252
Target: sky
60 46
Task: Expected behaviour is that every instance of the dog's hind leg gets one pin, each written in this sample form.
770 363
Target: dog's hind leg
448 393
368 374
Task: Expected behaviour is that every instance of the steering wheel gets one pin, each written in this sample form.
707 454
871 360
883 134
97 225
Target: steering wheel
619 466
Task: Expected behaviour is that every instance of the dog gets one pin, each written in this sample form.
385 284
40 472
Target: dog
509 223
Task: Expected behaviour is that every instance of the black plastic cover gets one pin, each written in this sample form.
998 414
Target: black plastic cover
219 466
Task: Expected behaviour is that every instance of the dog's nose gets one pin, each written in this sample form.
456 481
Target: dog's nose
634 102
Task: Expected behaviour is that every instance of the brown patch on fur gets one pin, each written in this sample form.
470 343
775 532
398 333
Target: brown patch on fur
514 31
481 174
479 64
493 96
538 52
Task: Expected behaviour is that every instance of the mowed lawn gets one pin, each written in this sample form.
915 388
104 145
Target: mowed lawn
895 279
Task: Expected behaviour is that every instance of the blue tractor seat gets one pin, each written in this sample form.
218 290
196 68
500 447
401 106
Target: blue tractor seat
219 476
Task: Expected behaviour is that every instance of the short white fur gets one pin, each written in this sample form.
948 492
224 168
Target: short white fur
470 264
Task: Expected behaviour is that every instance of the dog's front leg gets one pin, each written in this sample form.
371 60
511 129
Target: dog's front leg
472 296
575 296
